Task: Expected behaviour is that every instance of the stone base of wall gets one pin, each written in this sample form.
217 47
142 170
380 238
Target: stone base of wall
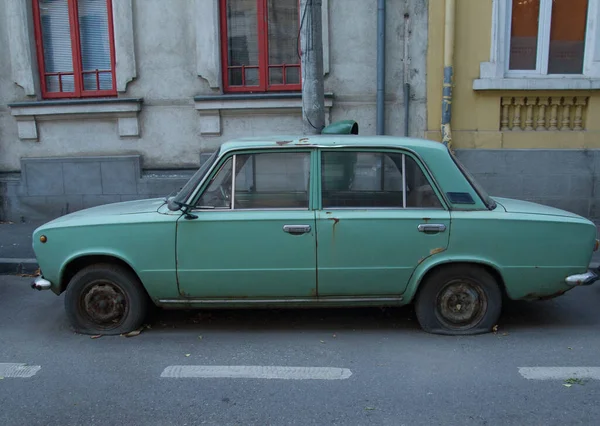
48 188
566 179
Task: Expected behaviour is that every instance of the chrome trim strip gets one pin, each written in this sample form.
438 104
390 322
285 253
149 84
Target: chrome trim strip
262 301
404 181
233 179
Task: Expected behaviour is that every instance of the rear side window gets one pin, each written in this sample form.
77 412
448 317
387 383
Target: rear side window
366 179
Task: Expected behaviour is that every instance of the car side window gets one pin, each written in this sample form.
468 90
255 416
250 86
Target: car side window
262 181
374 180
272 180
218 193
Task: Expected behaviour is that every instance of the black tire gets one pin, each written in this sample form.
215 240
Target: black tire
459 300
106 299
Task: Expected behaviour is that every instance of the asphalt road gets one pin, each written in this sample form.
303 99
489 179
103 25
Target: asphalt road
399 375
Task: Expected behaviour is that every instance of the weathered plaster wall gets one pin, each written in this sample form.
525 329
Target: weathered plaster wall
166 68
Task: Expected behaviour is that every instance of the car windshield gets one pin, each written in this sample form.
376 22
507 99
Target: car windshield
485 197
195 180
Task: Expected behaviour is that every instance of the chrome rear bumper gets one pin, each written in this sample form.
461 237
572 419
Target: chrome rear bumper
40 283
587 278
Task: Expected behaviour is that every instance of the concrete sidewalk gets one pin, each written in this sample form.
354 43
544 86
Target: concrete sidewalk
17 257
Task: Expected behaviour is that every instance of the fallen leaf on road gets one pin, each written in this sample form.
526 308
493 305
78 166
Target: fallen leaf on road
199 337
334 336
133 333
187 355
1 378
569 348
97 336
495 328
505 334
322 341
567 385
369 408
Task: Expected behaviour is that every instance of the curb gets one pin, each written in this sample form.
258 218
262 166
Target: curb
18 266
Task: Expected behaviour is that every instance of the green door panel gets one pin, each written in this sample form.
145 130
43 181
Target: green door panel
246 254
374 252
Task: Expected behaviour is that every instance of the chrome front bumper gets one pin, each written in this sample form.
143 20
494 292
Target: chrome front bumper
40 283
587 278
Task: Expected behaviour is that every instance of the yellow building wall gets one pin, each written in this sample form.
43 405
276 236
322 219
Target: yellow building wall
477 115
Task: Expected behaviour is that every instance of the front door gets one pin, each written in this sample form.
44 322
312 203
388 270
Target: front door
380 218
254 235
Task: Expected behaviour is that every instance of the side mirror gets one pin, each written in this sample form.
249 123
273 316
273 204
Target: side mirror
344 127
171 205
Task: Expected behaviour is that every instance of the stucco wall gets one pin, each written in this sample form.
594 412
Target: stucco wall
170 130
165 53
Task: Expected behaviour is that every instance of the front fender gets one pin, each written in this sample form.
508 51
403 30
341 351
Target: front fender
440 259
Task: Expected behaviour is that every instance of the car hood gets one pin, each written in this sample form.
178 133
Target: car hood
108 212
526 207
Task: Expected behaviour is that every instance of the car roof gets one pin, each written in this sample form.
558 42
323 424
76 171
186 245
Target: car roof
283 141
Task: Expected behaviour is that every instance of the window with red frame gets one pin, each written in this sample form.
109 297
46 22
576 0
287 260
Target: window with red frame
260 45
75 46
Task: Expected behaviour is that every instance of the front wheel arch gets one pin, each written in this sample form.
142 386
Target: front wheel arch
77 264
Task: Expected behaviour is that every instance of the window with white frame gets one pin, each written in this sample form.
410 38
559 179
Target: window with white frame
543 44
547 36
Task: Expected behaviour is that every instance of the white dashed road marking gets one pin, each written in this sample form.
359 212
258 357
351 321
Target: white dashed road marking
560 373
21 371
255 372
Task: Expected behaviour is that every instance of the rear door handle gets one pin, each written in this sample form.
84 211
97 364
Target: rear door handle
297 229
431 228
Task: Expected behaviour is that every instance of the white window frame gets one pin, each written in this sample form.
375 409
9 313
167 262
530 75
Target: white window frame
495 75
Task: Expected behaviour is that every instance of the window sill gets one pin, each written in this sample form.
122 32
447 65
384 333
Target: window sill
125 110
210 107
533 83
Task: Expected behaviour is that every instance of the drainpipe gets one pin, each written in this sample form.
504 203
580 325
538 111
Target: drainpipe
380 67
448 73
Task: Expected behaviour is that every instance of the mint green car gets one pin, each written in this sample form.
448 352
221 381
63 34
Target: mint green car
320 221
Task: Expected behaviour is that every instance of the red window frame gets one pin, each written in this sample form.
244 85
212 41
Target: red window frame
263 56
78 70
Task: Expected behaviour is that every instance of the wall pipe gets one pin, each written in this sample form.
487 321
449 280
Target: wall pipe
406 71
380 67
449 24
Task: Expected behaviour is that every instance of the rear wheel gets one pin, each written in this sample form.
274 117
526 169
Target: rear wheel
105 299
459 300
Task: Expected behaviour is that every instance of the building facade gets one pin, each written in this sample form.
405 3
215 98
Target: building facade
526 100
112 100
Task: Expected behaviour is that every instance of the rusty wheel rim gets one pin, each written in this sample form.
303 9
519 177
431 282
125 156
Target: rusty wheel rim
461 304
104 304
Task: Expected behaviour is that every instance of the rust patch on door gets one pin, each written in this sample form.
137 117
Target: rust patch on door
335 222
437 250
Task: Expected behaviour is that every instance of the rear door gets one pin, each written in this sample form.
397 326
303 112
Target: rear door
380 216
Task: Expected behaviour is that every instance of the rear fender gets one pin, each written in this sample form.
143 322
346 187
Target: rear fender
440 259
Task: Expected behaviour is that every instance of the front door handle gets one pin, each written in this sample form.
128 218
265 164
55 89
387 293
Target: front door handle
431 228
297 229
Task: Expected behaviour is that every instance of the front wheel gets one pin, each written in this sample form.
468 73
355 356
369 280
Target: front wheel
459 300
105 299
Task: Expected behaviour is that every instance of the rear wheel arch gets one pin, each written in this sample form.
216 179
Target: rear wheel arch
492 270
